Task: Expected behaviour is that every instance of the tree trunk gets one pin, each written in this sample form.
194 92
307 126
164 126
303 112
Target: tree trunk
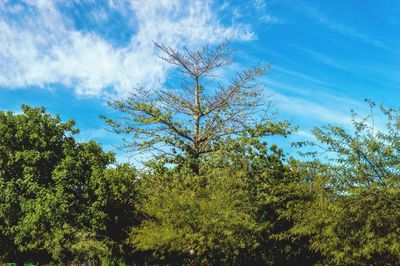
196 130
194 163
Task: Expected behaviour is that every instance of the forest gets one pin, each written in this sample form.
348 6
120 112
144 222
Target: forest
215 188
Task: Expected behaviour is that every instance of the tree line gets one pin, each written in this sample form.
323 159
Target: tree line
213 190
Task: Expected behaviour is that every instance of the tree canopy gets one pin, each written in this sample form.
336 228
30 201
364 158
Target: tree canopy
201 109
353 217
57 197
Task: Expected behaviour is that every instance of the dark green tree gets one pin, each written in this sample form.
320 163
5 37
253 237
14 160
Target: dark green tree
58 200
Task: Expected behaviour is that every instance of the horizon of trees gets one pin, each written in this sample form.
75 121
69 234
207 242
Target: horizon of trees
215 190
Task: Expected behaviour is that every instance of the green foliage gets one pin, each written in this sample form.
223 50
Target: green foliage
209 216
353 217
230 214
57 198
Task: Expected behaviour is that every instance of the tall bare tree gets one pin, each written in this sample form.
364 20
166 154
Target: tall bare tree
198 115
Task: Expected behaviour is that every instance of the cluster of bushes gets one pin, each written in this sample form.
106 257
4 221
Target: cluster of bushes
217 193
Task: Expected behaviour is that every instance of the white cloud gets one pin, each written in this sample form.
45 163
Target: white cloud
40 46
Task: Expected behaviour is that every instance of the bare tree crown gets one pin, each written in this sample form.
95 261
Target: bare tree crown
196 115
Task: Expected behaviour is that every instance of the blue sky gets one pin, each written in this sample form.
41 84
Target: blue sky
327 56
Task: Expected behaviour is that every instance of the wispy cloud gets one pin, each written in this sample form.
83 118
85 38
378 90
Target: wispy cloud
345 29
311 110
299 75
333 110
383 72
269 19
305 134
263 14
41 46
257 11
